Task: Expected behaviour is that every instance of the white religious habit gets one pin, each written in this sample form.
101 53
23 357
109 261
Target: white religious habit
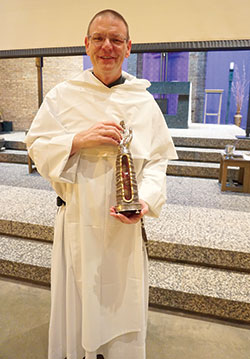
97 261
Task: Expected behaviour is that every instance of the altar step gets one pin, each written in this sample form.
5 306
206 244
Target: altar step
15 141
207 141
193 289
14 156
206 256
192 162
19 155
193 169
209 292
175 251
198 248
198 223
25 259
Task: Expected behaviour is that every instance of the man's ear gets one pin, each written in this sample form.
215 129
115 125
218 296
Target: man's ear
86 42
129 45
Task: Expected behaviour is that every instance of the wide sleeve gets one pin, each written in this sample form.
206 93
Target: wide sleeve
49 143
152 187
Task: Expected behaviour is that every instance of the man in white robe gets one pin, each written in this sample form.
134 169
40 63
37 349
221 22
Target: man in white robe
99 290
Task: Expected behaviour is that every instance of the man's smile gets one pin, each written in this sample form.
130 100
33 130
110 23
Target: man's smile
107 57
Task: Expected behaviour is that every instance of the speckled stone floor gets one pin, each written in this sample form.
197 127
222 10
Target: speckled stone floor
198 213
198 223
212 227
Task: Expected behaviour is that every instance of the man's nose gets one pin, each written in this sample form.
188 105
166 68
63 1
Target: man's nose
107 43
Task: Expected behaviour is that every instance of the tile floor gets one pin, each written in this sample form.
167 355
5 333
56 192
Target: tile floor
24 318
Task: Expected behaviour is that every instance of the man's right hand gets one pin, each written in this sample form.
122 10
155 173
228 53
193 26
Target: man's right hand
102 133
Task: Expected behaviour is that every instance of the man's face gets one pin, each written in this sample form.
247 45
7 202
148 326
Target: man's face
107 55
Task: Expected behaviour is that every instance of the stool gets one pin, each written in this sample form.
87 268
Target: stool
243 175
216 92
30 164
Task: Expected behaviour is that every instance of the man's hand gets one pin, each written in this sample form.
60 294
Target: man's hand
134 218
102 133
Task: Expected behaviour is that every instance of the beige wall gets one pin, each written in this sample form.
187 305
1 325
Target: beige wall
55 23
18 85
58 69
18 91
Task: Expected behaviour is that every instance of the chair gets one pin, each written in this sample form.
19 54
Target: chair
213 92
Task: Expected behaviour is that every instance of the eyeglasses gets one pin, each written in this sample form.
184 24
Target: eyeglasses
99 39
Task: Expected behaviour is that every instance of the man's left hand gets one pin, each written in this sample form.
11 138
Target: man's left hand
133 218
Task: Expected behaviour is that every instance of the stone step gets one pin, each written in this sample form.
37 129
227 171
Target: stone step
199 154
234 259
15 145
25 259
197 135
203 154
181 167
237 260
14 156
204 291
210 136
219 143
199 224
193 169
199 255
27 230
194 162
27 212
197 142
198 169
184 154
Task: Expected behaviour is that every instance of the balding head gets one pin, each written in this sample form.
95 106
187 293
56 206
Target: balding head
109 12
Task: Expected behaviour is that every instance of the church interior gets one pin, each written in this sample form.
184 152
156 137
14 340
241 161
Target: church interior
199 251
